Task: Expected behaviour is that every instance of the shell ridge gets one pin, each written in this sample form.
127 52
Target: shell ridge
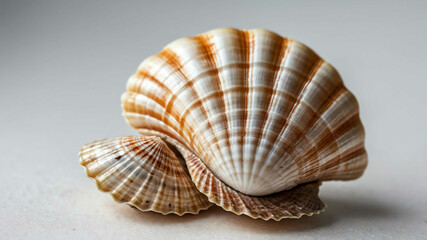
147 76
209 50
127 162
308 79
345 159
148 118
332 132
158 197
168 55
315 147
112 172
142 186
336 133
249 39
360 151
117 164
288 95
87 149
135 168
175 58
277 73
163 103
331 97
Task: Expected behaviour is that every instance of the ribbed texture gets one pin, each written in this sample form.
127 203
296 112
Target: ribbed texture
294 203
264 113
142 172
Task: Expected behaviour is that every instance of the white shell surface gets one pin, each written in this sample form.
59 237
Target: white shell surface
264 113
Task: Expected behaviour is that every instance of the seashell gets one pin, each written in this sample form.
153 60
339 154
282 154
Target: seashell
259 119
142 172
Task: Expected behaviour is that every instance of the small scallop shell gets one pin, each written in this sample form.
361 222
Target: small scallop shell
142 172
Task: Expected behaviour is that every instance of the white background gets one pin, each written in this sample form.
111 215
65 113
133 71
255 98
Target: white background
63 67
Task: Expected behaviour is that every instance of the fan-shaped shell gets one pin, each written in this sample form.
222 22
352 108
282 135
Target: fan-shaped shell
263 113
142 172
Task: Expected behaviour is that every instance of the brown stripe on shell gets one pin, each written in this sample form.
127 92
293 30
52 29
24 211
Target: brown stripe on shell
310 155
144 125
331 97
209 50
160 99
129 103
249 40
313 69
284 50
339 131
355 153
173 60
330 138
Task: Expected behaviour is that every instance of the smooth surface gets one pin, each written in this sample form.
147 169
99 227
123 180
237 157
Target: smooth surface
63 67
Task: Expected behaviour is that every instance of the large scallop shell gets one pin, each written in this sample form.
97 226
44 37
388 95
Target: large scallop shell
142 172
262 112
259 121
